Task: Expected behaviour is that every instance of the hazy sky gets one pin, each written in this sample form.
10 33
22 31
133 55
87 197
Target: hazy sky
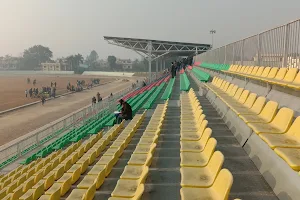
78 26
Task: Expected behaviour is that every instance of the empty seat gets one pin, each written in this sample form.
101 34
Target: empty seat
279 124
83 194
194 135
196 159
290 156
288 78
266 116
197 145
219 190
202 176
296 82
290 139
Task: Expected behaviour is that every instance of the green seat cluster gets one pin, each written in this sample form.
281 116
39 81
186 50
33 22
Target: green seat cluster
154 96
215 66
184 82
167 93
200 75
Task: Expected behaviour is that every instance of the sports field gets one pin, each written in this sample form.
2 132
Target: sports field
12 88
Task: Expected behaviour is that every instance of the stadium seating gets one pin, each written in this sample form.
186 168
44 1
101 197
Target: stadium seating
214 66
168 91
276 127
286 77
200 75
131 182
184 82
154 96
201 174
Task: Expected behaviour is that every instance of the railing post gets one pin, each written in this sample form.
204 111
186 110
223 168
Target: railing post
286 45
259 50
242 52
225 59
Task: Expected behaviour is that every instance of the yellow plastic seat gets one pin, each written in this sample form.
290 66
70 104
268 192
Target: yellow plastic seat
140 159
27 196
97 169
137 196
144 149
279 124
64 187
279 76
196 159
289 77
266 116
240 101
39 190
290 156
148 141
88 180
265 72
290 139
114 151
126 188
58 171
132 172
218 191
296 82
29 183
49 180
151 134
83 194
196 146
271 74
109 161
196 135
202 176
254 110
245 107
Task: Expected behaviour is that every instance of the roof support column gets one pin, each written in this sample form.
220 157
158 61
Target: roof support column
156 74
149 49
164 64
161 65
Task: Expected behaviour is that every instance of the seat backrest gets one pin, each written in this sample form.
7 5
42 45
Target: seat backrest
249 70
297 79
283 119
266 72
290 75
294 128
245 69
225 86
210 147
238 93
203 127
244 96
205 136
269 111
273 72
242 69
259 71
229 88
281 73
233 90
220 83
223 183
258 105
254 70
139 192
238 69
215 163
90 193
250 100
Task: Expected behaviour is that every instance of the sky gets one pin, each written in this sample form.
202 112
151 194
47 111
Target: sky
78 26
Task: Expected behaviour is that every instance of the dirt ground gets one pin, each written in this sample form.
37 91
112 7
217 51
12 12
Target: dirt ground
20 122
12 88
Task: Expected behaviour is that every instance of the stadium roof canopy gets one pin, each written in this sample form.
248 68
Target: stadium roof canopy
153 49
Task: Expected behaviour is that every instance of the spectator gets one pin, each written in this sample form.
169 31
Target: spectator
43 99
126 111
93 100
99 97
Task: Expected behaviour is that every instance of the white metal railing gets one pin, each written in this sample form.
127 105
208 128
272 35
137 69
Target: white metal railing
277 47
34 138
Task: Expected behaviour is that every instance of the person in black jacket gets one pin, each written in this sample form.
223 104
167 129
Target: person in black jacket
173 70
126 111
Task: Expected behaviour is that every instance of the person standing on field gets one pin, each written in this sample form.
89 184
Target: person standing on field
26 93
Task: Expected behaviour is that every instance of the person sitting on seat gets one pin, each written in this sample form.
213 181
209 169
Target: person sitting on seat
126 111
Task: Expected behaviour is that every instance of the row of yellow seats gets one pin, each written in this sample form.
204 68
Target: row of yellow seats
95 177
275 127
289 77
130 186
201 173
61 173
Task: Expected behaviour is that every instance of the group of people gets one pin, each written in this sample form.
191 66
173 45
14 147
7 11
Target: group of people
98 99
177 66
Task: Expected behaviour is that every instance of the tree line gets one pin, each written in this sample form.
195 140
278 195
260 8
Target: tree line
32 58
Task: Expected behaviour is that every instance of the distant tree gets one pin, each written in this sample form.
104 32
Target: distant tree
74 61
112 62
34 56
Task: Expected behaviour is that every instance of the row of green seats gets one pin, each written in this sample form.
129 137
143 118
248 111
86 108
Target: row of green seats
184 82
200 75
139 104
93 126
154 96
215 66
167 93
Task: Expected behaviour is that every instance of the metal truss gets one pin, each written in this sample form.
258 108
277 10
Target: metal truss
153 49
